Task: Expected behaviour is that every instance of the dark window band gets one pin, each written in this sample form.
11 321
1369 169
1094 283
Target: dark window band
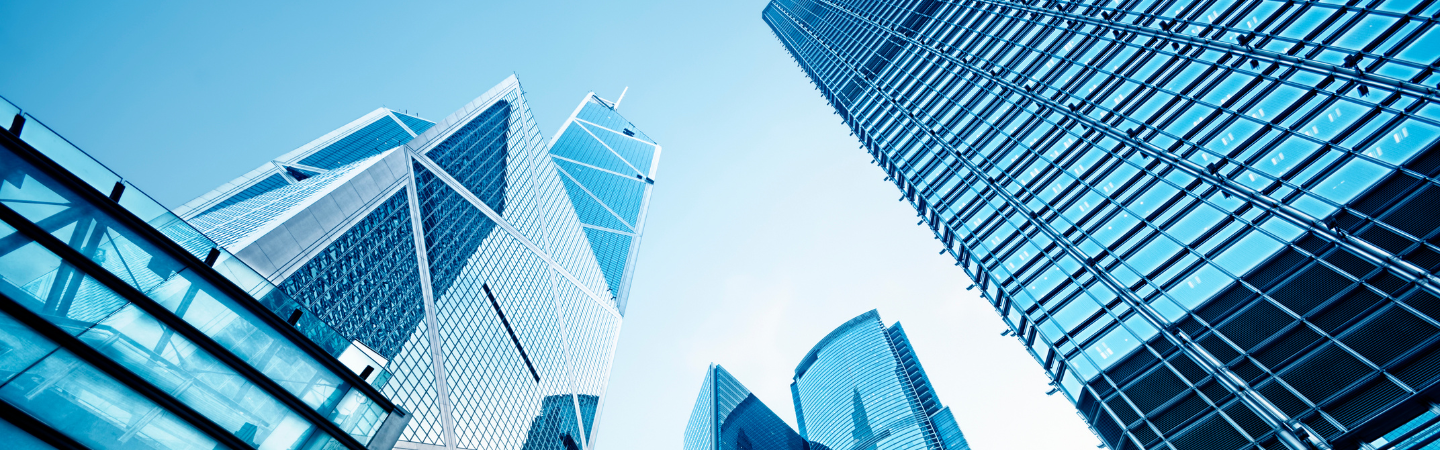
513 337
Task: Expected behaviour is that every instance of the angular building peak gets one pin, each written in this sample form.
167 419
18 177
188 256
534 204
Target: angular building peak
371 134
466 252
607 166
727 416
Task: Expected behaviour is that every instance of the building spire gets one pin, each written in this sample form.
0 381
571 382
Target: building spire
622 97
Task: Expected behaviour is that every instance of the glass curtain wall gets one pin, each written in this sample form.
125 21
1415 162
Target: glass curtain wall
861 387
1205 220
727 416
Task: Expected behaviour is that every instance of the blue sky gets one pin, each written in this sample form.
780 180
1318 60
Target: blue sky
768 228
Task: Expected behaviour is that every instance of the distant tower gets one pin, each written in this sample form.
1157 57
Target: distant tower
861 387
728 417
487 268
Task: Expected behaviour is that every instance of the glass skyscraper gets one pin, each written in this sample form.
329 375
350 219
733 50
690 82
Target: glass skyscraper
728 417
113 335
1210 222
482 268
862 388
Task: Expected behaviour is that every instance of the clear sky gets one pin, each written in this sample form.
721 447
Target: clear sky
768 228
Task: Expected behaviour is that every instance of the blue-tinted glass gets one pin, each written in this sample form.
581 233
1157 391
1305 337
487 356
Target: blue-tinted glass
950 431
1142 192
862 387
266 184
453 229
22 346
556 427
238 222
576 143
624 195
413 386
172 363
476 155
728 417
415 124
612 250
378 136
499 326
604 116
638 153
590 210
366 282
77 399
76 302
700 429
18 439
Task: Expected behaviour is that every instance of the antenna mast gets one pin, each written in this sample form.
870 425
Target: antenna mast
622 97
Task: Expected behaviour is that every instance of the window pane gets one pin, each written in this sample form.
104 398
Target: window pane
19 348
150 349
94 409
17 439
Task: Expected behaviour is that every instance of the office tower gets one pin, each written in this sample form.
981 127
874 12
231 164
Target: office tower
607 166
1208 221
558 412
113 335
728 417
470 258
862 388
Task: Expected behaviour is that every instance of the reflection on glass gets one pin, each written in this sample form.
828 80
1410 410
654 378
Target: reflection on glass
728 417
262 347
555 428
170 362
94 409
358 416
37 279
19 347
862 387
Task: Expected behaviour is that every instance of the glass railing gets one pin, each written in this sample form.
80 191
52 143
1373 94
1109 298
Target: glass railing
162 286
7 111
158 216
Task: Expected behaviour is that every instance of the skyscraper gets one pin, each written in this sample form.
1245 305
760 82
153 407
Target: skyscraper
862 388
1205 220
483 267
728 417
113 335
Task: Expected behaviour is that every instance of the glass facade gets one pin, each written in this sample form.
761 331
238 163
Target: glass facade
1208 221
607 166
114 335
728 417
463 258
558 413
862 388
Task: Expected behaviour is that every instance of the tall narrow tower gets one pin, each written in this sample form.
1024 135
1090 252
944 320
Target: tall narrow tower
465 256
1209 221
